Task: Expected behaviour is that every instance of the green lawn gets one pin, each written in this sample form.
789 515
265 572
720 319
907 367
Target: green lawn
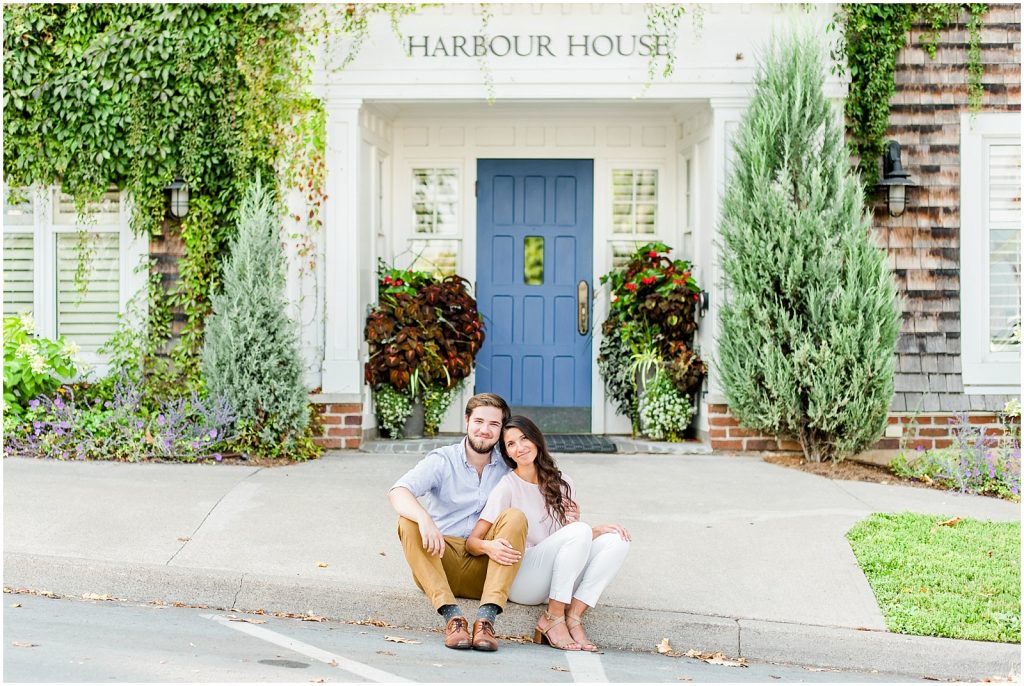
960 581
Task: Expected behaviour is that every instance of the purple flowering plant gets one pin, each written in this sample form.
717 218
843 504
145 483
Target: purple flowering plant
977 462
66 425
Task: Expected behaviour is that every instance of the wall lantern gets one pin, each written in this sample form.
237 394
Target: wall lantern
894 179
177 192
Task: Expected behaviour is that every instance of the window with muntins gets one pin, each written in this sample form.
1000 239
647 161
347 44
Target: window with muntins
434 244
990 252
634 212
435 197
70 270
634 201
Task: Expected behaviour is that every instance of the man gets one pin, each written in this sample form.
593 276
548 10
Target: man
457 480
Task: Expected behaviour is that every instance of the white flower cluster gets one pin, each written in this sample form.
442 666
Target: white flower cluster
393 408
665 413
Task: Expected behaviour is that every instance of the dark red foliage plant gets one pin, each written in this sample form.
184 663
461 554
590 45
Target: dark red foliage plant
424 331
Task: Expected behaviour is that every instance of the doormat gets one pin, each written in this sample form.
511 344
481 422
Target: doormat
579 443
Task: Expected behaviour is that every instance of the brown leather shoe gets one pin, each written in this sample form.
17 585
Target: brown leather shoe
483 636
456 634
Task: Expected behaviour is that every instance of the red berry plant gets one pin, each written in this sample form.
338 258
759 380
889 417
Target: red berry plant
651 326
423 336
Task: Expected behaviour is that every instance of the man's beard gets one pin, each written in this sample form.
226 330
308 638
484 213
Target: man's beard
481 447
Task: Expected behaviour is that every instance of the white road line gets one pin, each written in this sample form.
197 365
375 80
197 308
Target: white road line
586 667
351 666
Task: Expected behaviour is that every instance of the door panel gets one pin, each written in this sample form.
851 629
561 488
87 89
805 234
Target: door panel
527 289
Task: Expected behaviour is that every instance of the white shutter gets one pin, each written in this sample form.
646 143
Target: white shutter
18 273
440 258
88 317
18 213
435 195
634 201
990 251
1004 242
19 224
104 211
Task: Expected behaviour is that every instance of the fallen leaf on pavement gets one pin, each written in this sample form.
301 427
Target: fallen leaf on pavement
664 647
399 639
24 644
685 678
16 605
385 652
717 659
560 669
333 663
249 620
524 638
321 564
295 615
774 677
321 680
184 539
383 554
951 522
93 596
372 622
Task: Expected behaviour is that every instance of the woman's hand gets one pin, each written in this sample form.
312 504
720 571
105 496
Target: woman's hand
572 512
498 549
502 552
612 529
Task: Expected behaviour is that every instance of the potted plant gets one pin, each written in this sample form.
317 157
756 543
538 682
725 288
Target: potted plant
646 358
423 334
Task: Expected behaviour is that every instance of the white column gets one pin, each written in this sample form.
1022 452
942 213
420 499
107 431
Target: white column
726 114
343 320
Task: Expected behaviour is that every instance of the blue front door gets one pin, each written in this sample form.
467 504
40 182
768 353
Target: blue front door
535 227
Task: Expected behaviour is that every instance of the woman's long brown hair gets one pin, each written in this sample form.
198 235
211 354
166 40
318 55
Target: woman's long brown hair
556 491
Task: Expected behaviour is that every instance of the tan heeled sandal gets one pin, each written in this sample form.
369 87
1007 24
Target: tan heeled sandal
578 622
541 635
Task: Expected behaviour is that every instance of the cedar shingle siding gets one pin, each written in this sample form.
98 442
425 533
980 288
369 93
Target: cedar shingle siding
924 243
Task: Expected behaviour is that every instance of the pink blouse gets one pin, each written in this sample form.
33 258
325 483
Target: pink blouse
513 491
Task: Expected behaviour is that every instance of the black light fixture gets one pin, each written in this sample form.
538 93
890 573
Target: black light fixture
894 179
177 192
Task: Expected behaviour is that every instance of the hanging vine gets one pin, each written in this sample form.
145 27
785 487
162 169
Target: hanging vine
872 37
133 96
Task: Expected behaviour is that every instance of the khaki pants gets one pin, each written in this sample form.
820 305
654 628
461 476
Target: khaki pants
458 573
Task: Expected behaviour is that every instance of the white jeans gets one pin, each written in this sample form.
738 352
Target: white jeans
569 563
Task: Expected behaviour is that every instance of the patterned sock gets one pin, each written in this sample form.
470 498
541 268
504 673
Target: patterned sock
449 611
488 611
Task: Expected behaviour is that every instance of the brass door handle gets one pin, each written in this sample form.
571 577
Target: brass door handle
582 307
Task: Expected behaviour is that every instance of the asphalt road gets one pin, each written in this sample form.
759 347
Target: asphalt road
61 639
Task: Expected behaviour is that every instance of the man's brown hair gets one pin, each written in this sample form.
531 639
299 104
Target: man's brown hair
489 400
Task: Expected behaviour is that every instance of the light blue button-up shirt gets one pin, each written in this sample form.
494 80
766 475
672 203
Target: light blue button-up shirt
455 495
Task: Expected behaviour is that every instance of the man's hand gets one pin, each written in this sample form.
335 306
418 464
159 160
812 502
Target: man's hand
502 552
433 540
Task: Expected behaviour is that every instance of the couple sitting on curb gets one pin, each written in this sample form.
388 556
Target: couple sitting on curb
501 523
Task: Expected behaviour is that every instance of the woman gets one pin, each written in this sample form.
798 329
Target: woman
566 561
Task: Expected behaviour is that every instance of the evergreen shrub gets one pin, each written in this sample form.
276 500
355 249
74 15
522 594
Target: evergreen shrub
810 319
251 355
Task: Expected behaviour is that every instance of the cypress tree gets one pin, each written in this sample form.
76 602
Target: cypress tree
251 353
810 318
